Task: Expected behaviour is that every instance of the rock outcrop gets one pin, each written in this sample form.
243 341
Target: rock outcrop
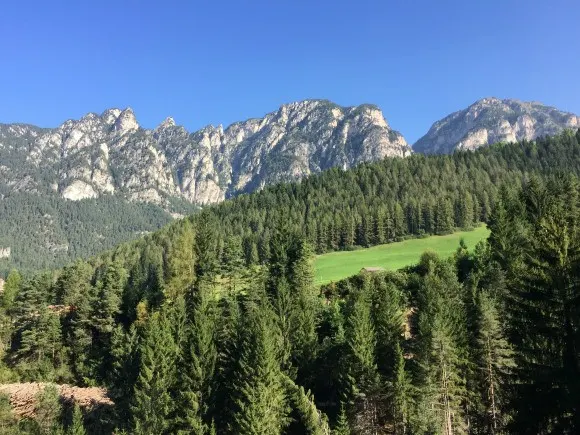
492 120
111 154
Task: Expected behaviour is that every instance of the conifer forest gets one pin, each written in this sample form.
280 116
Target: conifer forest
213 324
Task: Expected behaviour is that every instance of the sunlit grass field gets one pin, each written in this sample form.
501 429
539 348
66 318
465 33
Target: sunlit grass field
338 265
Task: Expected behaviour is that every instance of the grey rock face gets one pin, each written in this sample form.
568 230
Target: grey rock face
111 154
492 120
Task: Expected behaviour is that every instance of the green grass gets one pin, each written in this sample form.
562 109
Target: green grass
338 265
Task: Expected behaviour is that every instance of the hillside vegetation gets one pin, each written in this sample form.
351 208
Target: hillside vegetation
471 344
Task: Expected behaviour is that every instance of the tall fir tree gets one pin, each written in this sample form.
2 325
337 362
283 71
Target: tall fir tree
261 402
153 405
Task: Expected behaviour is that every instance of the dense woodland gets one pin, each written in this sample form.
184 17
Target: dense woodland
46 231
205 327
390 200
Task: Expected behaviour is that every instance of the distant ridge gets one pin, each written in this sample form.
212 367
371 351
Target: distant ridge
492 120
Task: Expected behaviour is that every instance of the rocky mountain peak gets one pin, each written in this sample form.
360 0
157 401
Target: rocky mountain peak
492 120
80 157
168 122
110 115
126 122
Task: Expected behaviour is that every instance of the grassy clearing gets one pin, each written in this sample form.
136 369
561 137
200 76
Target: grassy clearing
338 265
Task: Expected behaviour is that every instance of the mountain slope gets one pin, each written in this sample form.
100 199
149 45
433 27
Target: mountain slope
111 154
89 184
492 120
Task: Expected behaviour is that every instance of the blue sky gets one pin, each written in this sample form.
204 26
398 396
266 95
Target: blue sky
216 62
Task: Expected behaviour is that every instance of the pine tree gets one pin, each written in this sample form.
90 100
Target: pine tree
199 355
401 394
181 261
76 426
47 410
8 421
342 427
11 289
313 421
258 383
124 372
495 362
152 402
362 379
441 349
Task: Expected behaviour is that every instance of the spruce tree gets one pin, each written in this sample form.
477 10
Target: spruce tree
11 289
180 261
228 342
304 318
124 372
441 349
545 313
388 321
401 394
198 361
76 426
152 402
362 379
75 292
495 362
260 398
312 420
342 427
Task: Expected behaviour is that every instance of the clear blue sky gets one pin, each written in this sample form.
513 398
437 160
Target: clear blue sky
218 62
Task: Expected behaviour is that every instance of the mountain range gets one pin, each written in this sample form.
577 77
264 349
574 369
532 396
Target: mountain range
117 167
111 154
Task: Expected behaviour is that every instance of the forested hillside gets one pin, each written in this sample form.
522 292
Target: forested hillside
114 166
385 201
213 324
47 231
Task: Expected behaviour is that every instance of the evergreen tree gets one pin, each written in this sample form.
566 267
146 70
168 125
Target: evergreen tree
495 362
342 427
261 400
362 380
312 420
124 372
47 410
76 426
401 394
8 421
181 261
75 292
152 402
11 289
545 310
388 321
105 309
198 364
441 356
206 247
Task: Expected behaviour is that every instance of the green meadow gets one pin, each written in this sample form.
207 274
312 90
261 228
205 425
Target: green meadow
335 266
